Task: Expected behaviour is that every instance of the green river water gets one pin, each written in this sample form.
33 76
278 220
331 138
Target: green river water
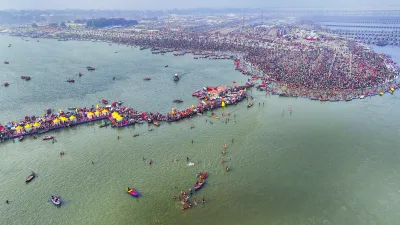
326 164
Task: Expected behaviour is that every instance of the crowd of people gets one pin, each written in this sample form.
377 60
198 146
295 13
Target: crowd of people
324 67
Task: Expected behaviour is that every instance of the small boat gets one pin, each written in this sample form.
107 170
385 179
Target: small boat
362 97
25 78
30 177
119 103
5 62
177 101
156 123
6 84
48 138
136 135
21 138
80 74
89 68
105 125
104 101
132 192
198 186
55 200
176 77
250 104
166 65
381 93
70 80
147 78
71 108
215 117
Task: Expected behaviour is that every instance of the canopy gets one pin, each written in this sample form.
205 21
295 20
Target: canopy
72 117
18 128
118 118
104 111
97 113
28 126
90 114
37 124
63 118
56 120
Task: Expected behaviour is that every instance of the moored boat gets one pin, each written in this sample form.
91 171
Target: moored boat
104 101
177 101
250 104
30 177
70 80
21 138
55 200
156 123
147 78
132 192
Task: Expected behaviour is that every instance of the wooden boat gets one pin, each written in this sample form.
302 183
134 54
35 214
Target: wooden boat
104 101
156 123
176 77
30 177
70 80
119 103
132 192
6 84
48 138
55 200
105 125
21 138
89 68
177 101
198 186
147 78
80 74
250 104
135 135
5 62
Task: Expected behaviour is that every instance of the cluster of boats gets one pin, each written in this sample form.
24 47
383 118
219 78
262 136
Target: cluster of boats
54 199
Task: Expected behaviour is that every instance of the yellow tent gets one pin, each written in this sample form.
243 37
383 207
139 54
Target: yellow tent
223 104
105 111
118 118
97 113
63 118
72 118
18 128
56 121
28 126
37 124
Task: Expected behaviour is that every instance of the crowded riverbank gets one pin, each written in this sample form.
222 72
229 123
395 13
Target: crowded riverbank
322 66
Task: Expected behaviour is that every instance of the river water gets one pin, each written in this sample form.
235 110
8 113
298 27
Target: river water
327 163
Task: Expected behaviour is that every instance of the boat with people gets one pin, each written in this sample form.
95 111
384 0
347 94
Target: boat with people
48 138
156 123
6 84
30 177
55 200
250 104
132 192
25 78
147 78
197 186
21 138
90 68
177 101
104 101
135 135
105 125
70 80
6 62
176 77
80 74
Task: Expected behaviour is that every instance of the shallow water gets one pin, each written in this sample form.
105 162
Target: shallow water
327 163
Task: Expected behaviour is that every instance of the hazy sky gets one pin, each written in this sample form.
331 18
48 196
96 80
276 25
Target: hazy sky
162 4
